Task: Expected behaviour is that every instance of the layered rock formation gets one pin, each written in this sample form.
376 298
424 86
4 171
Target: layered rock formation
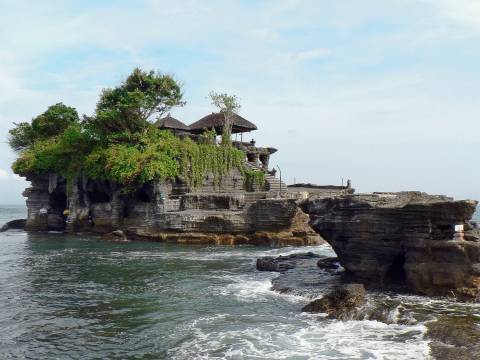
424 241
169 211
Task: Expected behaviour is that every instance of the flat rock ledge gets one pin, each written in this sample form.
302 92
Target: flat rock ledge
426 242
304 274
283 263
18 224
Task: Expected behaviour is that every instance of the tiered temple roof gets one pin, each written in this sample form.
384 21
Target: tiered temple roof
171 123
216 121
212 121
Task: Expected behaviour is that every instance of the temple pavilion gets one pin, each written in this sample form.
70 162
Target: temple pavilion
257 157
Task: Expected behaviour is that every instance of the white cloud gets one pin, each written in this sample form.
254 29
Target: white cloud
4 175
465 12
313 54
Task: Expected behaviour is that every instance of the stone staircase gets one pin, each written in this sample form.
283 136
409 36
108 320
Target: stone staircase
273 183
252 197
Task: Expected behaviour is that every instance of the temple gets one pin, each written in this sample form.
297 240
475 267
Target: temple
257 158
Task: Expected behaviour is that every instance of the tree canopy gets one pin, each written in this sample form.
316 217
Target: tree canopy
127 108
119 143
54 121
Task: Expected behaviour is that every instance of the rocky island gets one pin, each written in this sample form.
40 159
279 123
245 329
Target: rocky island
122 175
117 173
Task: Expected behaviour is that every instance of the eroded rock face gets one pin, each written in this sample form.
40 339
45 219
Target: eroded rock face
402 237
169 211
46 192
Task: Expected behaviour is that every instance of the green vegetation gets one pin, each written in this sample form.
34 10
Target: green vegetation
254 178
51 123
125 110
118 143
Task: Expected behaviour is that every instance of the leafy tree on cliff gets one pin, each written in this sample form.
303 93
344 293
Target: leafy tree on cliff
54 121
127 109
228 106
21 136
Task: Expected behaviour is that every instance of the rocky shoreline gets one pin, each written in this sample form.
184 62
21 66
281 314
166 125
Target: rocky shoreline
424 243
333 294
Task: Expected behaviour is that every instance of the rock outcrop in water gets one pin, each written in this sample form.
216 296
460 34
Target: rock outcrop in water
343 302
18 224
282 263
406 237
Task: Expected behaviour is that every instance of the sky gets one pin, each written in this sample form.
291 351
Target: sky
382 92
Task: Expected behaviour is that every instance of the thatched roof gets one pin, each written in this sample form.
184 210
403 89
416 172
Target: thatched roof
216 121
170 122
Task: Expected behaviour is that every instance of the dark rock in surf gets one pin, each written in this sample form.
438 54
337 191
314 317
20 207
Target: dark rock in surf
329 264
341 303
282 263
269 263
18 224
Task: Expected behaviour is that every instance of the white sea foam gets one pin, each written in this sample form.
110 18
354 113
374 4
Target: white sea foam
304 337
253 288
222 253
294 335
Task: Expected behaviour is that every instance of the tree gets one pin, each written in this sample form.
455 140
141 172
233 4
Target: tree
228 106
129 107
53 122
21 136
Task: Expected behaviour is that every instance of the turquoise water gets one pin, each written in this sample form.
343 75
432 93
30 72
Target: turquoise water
83 298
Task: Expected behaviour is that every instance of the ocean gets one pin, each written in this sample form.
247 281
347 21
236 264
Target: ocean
79 297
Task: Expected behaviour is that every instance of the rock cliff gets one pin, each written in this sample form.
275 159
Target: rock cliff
423 241
169 211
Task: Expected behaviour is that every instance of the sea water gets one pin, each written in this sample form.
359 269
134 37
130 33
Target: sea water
79 297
